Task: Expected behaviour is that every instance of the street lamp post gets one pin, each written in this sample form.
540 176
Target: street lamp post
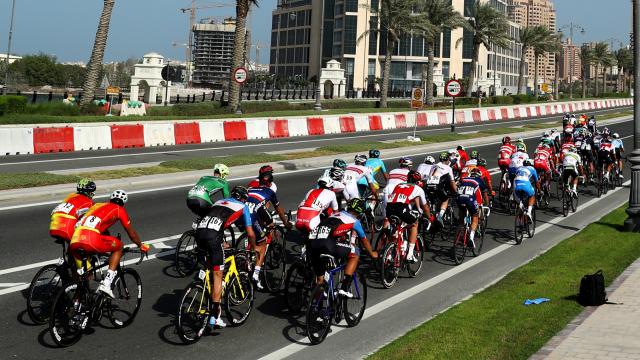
571 26
633 221
6 71
317 105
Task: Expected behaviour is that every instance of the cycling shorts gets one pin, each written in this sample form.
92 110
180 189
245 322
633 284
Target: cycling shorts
567 173
62 226
200 207
587 155
260 220
542 166
403 212
470 203
341 251
524 188
604 157
307 219
436 195
618 156
211 241
504 164
364 188
92 242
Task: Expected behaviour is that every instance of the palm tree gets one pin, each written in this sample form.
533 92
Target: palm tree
586 58
600 54
529 37
439 16
608 62
395 18
545 43
625 62
489 26
238 58
558 52
97 54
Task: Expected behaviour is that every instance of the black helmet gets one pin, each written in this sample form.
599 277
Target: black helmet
356 205
482 162
374 153
239 193
360 159
444 156
86 187
340 164
475 173
474 155
413 177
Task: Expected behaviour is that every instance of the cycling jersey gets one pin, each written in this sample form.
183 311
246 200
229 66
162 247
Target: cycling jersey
315 202
425 170
335 236
464 157
517 160
617 144
523 177
440 177
65 216
256 183
396 176
376 165
504 155
470 194
542 159
571 161
260 216
88 235
352 176
200 196
406 193
606 153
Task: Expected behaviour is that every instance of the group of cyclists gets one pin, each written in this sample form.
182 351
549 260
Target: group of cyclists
330 213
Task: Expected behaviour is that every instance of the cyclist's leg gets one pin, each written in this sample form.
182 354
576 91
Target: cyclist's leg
351 256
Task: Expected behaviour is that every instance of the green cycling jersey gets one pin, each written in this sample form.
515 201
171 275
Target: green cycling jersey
207 186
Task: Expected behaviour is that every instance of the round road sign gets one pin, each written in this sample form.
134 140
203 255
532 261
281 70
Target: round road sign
240 75
453 88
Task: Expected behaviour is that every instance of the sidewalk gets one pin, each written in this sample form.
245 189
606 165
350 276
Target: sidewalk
610 331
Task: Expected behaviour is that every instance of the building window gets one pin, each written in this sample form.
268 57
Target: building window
284 20
272 56
350 28
398 70
373 36
337 49
291 37
275 21
290 56
466 69
404 45
300 18
339 10
445 70
283 38
416 70
327 39
338 23
468 7
374 4
417 46
351 5
467 44
446 44
299 36
371 71
298 55
282 56
274 38
337 37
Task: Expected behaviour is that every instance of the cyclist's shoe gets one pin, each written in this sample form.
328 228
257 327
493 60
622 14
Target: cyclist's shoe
345 293
411 258
471 243
621 176
574 193
106 289
529 216
256 282
440 220
217 323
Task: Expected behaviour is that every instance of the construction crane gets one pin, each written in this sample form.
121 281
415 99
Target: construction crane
192 21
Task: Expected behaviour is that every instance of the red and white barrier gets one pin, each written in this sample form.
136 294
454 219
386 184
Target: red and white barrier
53 138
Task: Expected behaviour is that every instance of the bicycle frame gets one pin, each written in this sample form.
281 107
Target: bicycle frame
205 276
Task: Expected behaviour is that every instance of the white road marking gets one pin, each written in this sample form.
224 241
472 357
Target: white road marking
291 349
11 284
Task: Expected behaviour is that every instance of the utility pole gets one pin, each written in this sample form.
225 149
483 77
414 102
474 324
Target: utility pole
633 221
6 72
571 26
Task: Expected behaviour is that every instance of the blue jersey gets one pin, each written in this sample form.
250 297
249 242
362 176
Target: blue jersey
226 211
525 174
259 197
376 165
617 144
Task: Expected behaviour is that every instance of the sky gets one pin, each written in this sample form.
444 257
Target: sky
66 28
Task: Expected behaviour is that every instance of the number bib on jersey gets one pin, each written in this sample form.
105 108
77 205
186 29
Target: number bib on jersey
91 222
197 191
213 223
63 208
466 191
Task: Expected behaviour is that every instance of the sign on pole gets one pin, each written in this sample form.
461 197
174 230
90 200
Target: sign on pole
113 90
240 75
453 88
417 98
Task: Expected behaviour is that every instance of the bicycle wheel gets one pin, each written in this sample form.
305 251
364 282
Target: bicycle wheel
531 226
353 308
193 313
44 286
319 315
479 239
566 198
274 266
185 257
459 249
519 226
65 323
389 270
574 203
297 286
127 291
418 253
238 299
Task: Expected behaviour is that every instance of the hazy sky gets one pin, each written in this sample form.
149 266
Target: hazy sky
66 27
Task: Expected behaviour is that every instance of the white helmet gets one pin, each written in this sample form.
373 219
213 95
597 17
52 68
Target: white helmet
120 196
429 160
545 134
616 135
325 181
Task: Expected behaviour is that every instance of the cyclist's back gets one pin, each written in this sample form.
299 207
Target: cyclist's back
200 196
315 203
65 216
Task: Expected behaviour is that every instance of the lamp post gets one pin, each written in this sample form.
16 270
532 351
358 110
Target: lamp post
571 26
6 71
317 105
633 221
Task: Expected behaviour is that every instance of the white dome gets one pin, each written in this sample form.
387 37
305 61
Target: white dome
153 55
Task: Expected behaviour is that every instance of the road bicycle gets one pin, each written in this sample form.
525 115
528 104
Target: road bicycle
394 256
569 200
522 224
185 260
603 181
299 282
543 197
195 303
505 190
462 241
438 231
326 305
77 306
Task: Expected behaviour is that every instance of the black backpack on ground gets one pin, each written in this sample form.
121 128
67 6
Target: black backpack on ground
592 291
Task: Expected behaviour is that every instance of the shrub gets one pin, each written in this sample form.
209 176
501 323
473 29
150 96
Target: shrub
92 109
53 108
12 104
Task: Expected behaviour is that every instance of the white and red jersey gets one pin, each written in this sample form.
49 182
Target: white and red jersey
517 159
565 147
505 153
542 155
406 193
464 157
607 146
354 173
396 176
315 202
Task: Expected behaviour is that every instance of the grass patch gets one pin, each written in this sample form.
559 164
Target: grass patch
614 115
25 180
495 325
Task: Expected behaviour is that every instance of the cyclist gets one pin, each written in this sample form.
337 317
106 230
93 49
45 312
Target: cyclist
606 155
472 193
591 124
618 145
521 142
464 157
441 183
336 174
336 236
92 235
568 132
210 236
456 162
543 162
396 177
425 168
504 154
265 171
472 163
567 143
572 167
486 176
582 121
316 203
405 201
473 158
65 216
376 165
587 151
199 198
555 137
517 161
524 191
261 219
352 176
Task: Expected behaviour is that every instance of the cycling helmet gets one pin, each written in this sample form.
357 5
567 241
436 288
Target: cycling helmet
475 172
520 147
86 186
360 159
553 131
616 135
221 169
119 197
356 205
325 182
527 162
454 152
405 162
545 134
460 147
239 193
520 140
429 160
506 140
265 169
340 164
482 162
413 177
546 146
606 131
336 173
444 156
573 149
474 155
265 175
374 153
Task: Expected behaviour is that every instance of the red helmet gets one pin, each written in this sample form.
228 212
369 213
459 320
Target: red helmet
265 175
413 177
506 140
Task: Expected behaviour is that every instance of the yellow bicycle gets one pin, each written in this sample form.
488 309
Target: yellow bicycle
237 296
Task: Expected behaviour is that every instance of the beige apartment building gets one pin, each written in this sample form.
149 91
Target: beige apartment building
297 47
533 13
570 62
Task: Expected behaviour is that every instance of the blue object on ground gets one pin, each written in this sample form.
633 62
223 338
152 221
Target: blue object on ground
536 301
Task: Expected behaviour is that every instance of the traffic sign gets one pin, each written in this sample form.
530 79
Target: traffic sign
453 88
168 72
240 75
113 90
417 96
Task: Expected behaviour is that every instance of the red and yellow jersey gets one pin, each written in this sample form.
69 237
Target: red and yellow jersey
65 216
102 216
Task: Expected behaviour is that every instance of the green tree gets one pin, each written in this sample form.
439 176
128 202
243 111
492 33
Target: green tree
489 26
586 58
600 55
529 38
546 43
625 64
608 62
94 68
35 70
438 16
239 49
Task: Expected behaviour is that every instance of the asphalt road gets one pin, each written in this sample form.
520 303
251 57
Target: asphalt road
115 157
270 330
